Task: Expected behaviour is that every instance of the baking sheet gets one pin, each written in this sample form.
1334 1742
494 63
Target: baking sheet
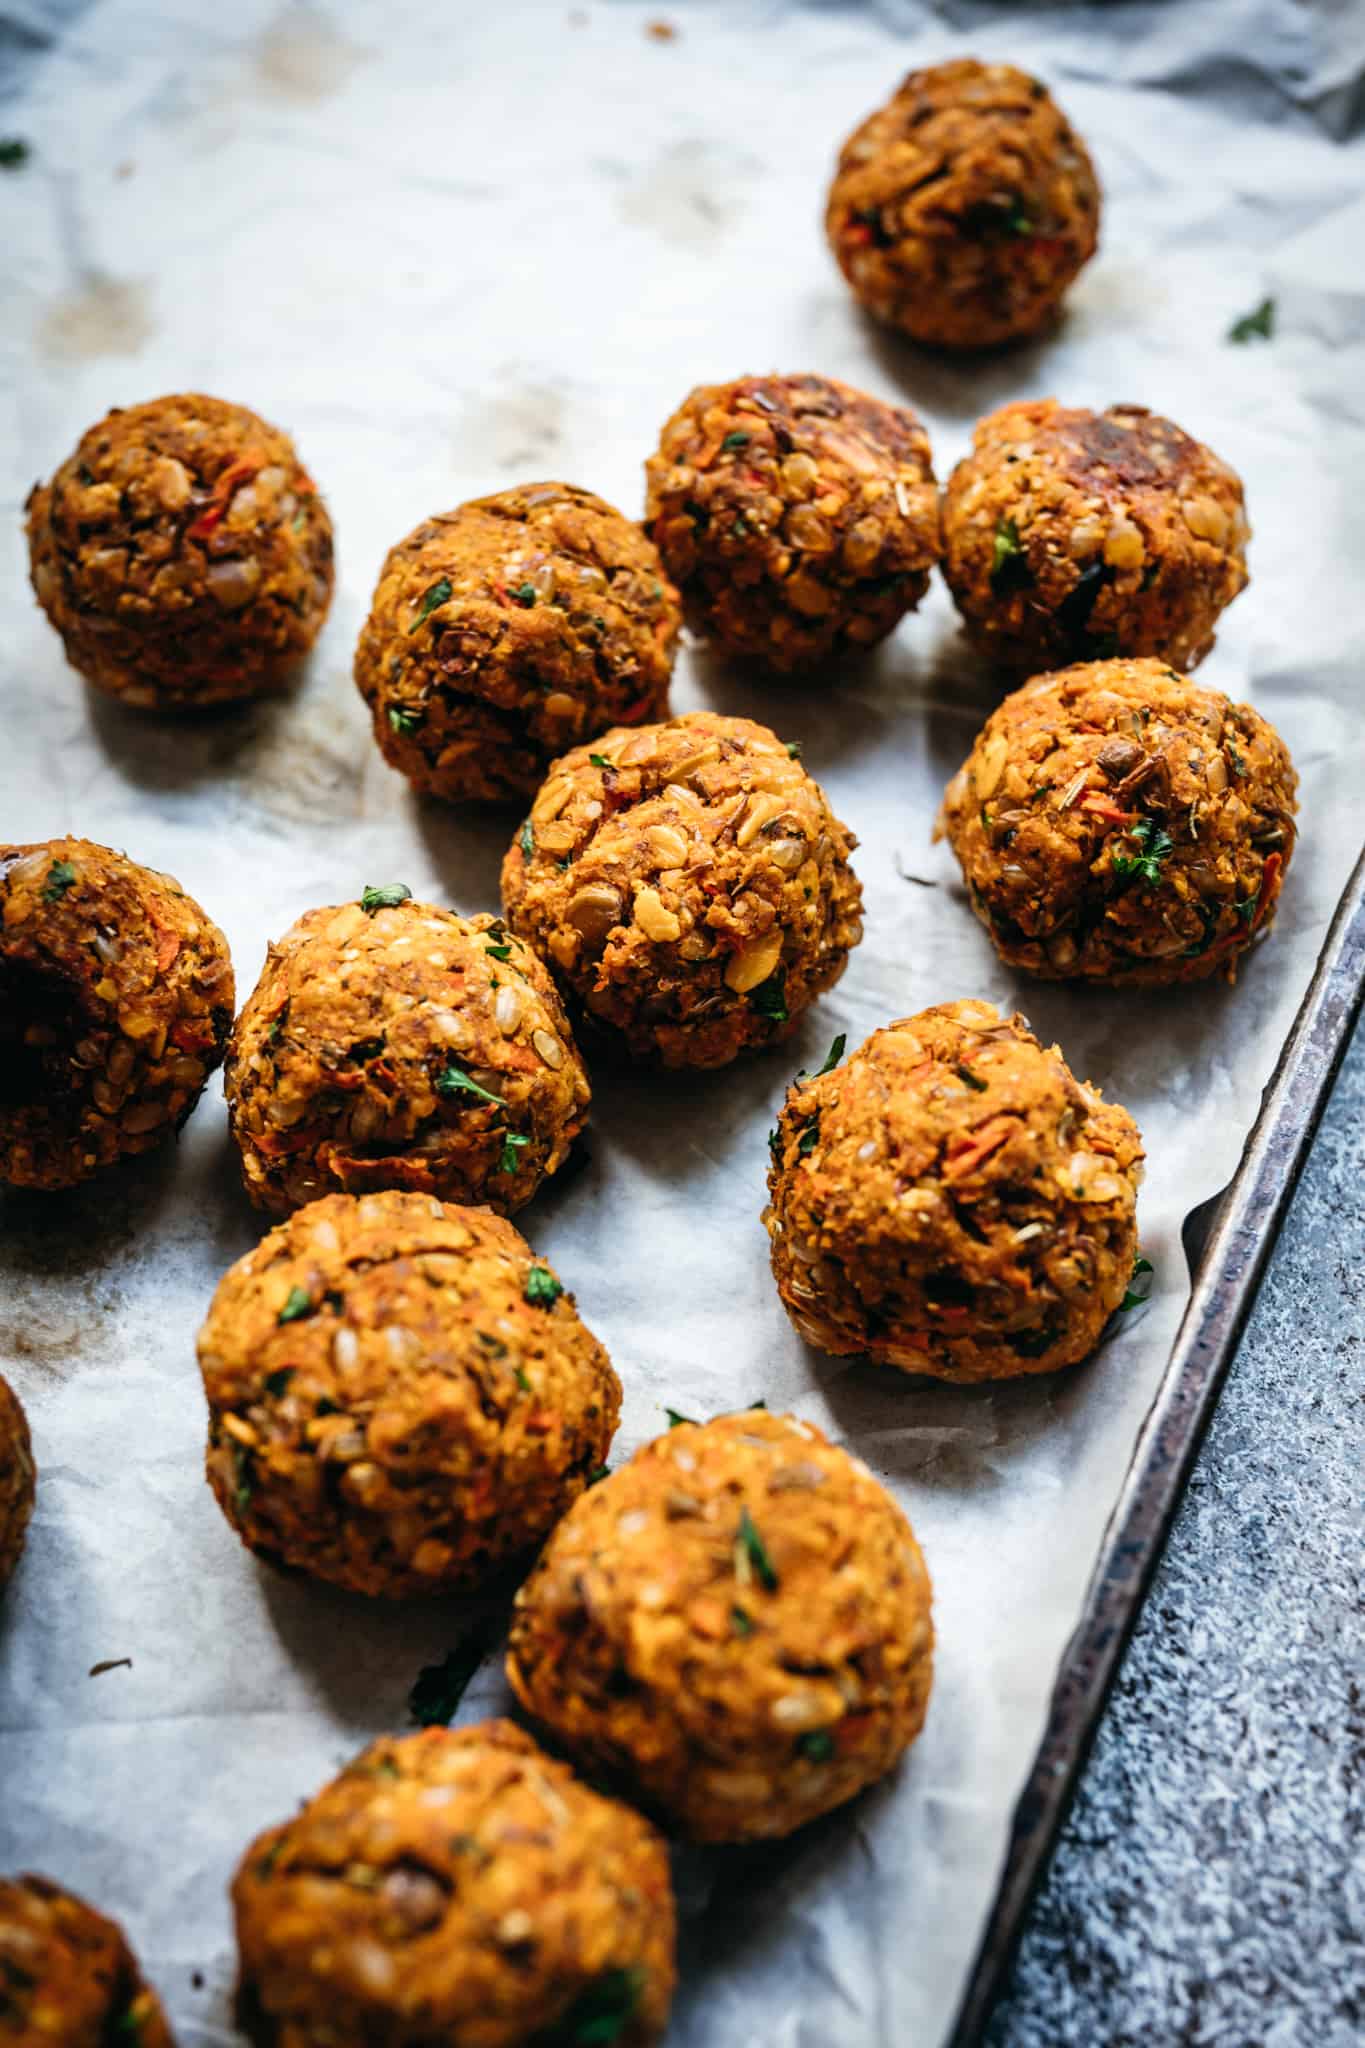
452 248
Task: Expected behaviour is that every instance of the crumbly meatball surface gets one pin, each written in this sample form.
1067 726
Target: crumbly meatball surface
951 1200
736 1623
17 1474
116 997
510 629
689 885
68 1978
390 1043
183 554
1116 822
799 517
962 210
461 1887
400 1394
1073 536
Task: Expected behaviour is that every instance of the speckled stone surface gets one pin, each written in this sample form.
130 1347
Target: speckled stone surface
1209 1886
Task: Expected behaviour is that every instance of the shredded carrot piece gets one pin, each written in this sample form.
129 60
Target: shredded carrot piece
228 483
1104 808
969 1156
1273 863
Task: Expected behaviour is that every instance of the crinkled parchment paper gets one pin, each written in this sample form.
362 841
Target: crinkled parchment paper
452 247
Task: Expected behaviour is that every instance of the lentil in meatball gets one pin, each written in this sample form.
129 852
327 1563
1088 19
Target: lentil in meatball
183 554
1116 822
510 629
1073 536
798 517
457 1886
17 1475
736 1622
689 885
952 1201
962 210
68 1978
116 999
400 1394
394 1044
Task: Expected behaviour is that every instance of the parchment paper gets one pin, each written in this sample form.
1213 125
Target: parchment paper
451 248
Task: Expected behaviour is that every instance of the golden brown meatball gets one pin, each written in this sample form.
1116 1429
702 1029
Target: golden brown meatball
798 516
953 1201
183 554
1116 822
961 210
1071 536
68 1978
689 884
736 1623
16 1490
400 1394
510 629
116 999
394 1044
456 1887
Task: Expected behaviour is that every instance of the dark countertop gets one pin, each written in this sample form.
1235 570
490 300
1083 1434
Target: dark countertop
1209 1886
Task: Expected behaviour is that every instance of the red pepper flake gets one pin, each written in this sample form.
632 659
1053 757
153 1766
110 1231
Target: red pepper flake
635 710
1102 807
190 1038
228 484
1273 863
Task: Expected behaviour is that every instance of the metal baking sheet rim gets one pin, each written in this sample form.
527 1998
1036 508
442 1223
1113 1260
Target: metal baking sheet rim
1229 1240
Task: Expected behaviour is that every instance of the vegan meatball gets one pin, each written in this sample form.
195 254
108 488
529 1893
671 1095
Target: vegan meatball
961 210
394 1044
68 1978
510 629
690 886
1072 536
798 516
457 1886
115 1002
1116 822
737 1622
952 1201
16 1488
183 554
400 1394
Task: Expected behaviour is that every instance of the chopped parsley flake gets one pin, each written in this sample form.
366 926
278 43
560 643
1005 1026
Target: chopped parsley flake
524 595
794 750
1009 563
750 1548
404 721
734 442
384 896
522 1380
61 876
501 952
298 1302
542 1289
439 1689
1258 325
1137 1294
1155 845
455 1081
972 1080
599 761
512 1144
676 1420
770 997
433 598
527 841
601 2013
817 1745
833 1056
740 1622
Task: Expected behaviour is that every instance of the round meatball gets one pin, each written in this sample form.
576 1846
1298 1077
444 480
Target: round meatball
16 1483
1116 822
116 1000
952 1201
798 516
394 1044
736 1622
961 210
1073 536
68 1978
689 885
183 554
510 629
457 1886
400 1394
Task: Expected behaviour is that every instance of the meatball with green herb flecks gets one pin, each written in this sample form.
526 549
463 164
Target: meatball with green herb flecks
68 1978
455 1889
401 1396
735 1625
16 1479
389 1044
1119 823
510 629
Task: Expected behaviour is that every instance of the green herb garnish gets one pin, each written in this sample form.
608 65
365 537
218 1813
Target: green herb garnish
1009 563
527 841
1155 845
817 1744
439 1689
128 2026
521 1379
403 720
455 1081
1136 1295
277 1382
1255 326
832 1057
735 441
512 1144
675 1419
740 1622
972 1080
501 952
298 1302
61 876
600 761
542 1289
384 896
751 1554
809 1138
432 598
14 154
770 997
524 595
246 1483
793 750
600 2014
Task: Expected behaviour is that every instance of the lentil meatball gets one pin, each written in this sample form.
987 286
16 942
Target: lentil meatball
952 1201
962 210
183 554
1116 822
737 1622
509 629
394 1044
400 1395
68 1978
457 1886
1071 536
799 517
116 999
16 1486
689 885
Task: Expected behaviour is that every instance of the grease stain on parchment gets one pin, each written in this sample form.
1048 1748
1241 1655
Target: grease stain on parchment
303 56
102 316
692 192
